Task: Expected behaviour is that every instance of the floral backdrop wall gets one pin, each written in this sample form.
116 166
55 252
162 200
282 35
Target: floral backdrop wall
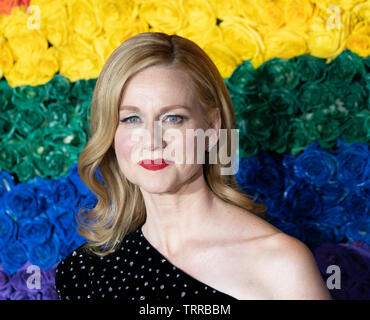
298 72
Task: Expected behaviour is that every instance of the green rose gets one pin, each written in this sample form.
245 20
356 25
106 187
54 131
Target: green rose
275 74
310 68
357 128
58 88
314 95
29 118
302 133
29 95
11 154
345 68
82 90
243 79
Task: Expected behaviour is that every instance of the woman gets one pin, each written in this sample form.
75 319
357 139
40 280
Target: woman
173 229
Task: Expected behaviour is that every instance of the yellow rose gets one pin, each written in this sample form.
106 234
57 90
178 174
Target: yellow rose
284 43
25 44
83 18
103 49
46 65
224 8
6 57
342 4
15 23
239 35
266 14
54 20
359 39
328 40
112 14
128 29
22 73
77 60
201 36
163 15
224 58
199 13
1 73
297 14
362 11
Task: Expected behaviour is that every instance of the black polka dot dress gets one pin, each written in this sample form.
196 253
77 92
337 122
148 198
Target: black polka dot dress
136 271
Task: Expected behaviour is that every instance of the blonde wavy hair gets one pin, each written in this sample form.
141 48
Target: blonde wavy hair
120 208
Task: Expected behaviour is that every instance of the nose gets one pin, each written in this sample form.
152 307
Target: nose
154 137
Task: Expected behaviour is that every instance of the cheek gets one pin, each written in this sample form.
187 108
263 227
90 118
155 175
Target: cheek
123 144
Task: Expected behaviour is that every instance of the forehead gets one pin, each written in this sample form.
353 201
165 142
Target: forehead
158 86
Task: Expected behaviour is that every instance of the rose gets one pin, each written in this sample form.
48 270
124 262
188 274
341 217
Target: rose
6 6
29 118
353 163
315 166
310 68
45 254
358 40
21 202
64 222
49 293
356 205
54 21
8 228
344 68
284 43
301 199
58 114
283 102
222 56
25 295
240 36
243 79
34 231
313 95
13 256
77 60
29 95
332 193
327 42
83 18
358 229
64 191
163 16
276 73
353 97
58 88
297 14
82 89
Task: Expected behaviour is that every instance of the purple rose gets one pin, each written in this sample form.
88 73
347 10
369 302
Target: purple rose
5 285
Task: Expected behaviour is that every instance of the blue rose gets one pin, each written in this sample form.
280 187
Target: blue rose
356 205
89 201
302 200
13 256
44 255
64 221
35 230
43 190
358 230
64 192
315 166
6 182
334 216
8 228
21 202
332 193
353 163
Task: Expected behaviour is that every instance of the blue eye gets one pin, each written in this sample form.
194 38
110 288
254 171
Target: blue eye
173 117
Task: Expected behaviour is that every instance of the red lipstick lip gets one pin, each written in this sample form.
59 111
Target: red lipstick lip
156 164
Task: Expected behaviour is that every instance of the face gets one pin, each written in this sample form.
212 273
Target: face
159 101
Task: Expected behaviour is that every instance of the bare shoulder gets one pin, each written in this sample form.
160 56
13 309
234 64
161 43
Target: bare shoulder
275 264
289 269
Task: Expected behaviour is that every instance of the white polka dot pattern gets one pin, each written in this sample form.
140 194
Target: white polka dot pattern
136 271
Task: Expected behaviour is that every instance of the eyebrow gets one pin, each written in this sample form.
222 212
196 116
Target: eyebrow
163 109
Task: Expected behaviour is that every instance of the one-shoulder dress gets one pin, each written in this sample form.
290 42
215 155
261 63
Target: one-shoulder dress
136 271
